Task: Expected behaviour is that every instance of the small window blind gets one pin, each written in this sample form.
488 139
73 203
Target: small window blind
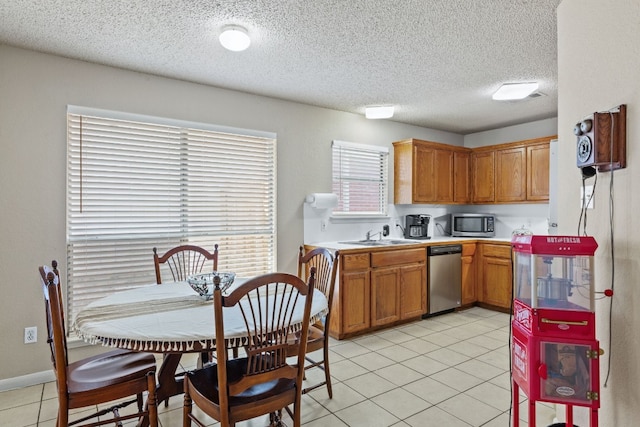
137 182
360 178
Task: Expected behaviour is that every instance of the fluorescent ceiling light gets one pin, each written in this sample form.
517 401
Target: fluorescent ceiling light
379 112
234 38
511 91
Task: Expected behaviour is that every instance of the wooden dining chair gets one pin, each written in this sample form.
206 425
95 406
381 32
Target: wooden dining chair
108 377
263 382
326 267
185 260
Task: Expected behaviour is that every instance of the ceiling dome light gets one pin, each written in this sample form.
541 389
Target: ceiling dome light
513 91
234 38
379 112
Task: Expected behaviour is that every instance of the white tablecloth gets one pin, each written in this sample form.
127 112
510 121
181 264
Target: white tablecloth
166 318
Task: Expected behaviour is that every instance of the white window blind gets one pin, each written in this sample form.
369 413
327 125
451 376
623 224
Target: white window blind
138 184
360 178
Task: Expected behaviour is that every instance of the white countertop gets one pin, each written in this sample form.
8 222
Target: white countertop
340 245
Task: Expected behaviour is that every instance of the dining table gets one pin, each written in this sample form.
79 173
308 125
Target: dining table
171 319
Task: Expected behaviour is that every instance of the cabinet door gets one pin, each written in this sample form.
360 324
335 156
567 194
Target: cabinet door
496 281
482 176
511 181
443 167
423 174
403 172
469 293
461 181
538 172
413 291
385 295
433 175
356 300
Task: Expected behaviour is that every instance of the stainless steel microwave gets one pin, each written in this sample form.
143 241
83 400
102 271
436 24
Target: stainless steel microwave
473 225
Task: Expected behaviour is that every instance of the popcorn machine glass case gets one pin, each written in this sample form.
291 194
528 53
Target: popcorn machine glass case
554 350
554 272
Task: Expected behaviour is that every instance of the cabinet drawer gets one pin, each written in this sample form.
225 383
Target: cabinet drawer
355 262
497 251
399 257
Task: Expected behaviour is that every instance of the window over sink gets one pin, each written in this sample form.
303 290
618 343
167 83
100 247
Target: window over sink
360 178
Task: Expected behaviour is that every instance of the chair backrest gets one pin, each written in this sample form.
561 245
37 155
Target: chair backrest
274 307
56 333
185 260
326 266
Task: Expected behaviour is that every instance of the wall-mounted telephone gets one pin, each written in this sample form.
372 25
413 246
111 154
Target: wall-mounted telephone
602 140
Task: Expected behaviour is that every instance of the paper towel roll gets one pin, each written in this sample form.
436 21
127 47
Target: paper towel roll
322 200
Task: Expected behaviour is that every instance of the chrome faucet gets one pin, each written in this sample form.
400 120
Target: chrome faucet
369 235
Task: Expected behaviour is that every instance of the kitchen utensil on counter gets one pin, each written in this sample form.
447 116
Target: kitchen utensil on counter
417 227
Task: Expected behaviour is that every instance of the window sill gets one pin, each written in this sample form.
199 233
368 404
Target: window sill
358 218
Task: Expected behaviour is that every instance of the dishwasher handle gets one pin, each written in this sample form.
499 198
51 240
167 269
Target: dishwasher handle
444 250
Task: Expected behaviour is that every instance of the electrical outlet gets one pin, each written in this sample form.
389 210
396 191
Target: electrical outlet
30 335
323 225
586 197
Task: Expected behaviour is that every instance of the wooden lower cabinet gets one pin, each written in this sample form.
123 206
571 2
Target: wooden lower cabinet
495 275
385 296
380 288
356 289
352 296
377 289
398 285
413 291
398 293
469 277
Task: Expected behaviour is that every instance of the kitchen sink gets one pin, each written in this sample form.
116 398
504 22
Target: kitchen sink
376 242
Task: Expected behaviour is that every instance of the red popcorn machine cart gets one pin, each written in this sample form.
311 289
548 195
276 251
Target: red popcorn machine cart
554 352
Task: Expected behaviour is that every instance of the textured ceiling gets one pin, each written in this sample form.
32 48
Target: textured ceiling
438 61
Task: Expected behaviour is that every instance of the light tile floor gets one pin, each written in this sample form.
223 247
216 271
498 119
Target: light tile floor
450 370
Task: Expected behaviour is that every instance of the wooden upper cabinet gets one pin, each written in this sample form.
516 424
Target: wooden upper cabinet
443 166
538 172
511 180
427 172
432 174
424 173
403 172
516 172
461 177
482 176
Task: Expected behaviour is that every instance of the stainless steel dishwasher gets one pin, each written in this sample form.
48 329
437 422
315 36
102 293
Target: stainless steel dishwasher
444 283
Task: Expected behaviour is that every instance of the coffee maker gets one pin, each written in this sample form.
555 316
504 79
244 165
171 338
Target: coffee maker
417 227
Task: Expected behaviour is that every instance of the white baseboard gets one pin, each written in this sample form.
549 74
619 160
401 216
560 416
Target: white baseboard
27 380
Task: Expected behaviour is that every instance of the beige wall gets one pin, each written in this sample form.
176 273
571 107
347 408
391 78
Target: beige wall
35 89
531 130
598 65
